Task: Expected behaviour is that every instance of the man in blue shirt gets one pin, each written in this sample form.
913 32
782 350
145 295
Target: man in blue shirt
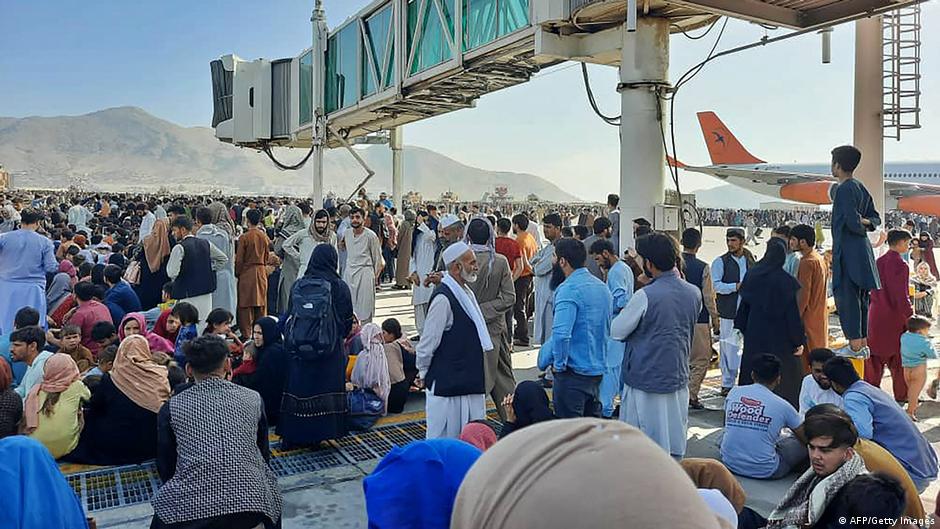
658 324
25 259
878 417
854 273
25 317
754 417
728 273
577 348
620 283
120 297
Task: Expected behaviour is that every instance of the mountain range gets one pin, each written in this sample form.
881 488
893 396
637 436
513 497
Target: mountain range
127 149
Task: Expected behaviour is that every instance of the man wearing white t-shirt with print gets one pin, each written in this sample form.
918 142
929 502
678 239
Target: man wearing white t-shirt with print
754 418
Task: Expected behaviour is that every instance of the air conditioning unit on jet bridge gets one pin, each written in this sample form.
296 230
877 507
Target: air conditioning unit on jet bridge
255 102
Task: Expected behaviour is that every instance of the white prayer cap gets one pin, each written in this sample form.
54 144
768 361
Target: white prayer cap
454 251
449 220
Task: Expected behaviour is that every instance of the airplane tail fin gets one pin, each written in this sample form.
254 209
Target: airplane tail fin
723 147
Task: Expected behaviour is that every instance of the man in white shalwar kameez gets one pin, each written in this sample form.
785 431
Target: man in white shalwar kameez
363 264
542 269
421 265
450 355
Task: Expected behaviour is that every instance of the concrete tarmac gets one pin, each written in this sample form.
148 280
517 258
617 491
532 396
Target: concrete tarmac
334 499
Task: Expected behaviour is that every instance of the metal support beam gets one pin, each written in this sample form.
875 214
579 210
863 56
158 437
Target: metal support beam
320 33
398 167
644 67
752 10
869 132
838 11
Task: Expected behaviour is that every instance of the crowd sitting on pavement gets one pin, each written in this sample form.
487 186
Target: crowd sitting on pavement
184 330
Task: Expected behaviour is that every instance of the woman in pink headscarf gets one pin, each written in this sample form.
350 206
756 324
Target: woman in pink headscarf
53 408
134 323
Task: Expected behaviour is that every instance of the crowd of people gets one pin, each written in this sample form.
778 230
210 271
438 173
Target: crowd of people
183 330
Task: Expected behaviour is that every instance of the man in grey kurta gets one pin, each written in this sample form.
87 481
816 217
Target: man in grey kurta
542 264
496 296
363 265
224 296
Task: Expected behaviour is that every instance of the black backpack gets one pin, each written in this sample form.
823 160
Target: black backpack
311 329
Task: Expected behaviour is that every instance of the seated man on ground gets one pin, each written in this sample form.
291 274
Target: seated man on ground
400 355
878 417
25 317
527 405
220 479
104 334
834 463
27 346
752 445
867 497
816 388
877 459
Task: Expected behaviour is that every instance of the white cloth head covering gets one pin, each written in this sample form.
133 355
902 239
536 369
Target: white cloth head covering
371 369
454 251
449 220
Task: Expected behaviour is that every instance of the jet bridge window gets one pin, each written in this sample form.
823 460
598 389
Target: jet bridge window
342 69
487 20
378 52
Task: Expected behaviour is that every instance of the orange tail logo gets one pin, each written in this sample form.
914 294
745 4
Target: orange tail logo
723 147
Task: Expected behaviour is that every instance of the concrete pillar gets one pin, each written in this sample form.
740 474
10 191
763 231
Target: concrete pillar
869 130
320 33
644 66
398 167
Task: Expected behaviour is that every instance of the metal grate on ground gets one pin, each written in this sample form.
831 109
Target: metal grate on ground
123 486
115 487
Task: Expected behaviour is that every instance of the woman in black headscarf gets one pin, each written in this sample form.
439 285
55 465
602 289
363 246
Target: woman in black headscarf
526 406
266 369
769 318
313 406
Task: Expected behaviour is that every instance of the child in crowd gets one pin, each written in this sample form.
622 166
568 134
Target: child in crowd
915 350
401 364
104 333
188 316
219 322
105 362
70 343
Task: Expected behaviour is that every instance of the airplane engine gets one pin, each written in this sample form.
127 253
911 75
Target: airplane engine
810 192
920 204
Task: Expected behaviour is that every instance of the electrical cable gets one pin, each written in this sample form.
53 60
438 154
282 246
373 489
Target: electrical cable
696 37
266 149
610 120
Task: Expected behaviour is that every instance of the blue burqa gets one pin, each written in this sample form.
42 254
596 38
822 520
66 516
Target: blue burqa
415 487
35 494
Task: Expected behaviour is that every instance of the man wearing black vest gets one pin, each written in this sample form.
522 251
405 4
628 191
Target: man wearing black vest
727 275
192 267
698 273
450 355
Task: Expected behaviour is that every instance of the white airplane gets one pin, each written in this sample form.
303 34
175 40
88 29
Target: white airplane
913 187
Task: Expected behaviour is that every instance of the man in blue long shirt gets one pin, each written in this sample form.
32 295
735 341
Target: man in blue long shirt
854 273
728 273
878 417
25 259
658 325
620 283
577 348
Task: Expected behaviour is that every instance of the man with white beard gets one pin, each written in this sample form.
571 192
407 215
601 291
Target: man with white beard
363 265
450 355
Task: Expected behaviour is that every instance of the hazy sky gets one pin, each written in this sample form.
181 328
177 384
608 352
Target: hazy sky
65 57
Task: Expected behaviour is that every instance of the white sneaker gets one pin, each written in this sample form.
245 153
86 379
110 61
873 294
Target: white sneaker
864 353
